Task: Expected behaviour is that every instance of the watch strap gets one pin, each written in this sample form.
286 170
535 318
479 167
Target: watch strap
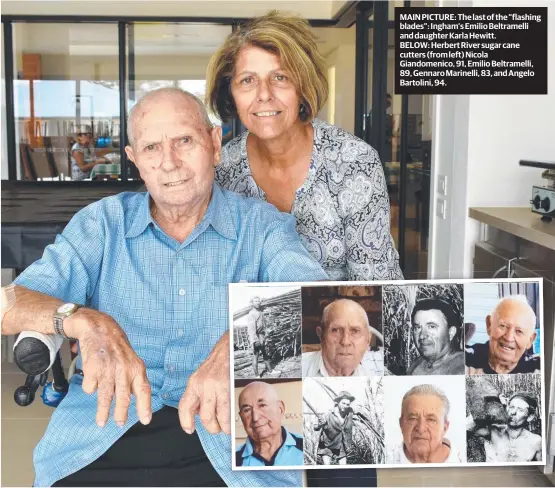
59 322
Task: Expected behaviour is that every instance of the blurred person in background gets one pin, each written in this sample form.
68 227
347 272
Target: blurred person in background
83 155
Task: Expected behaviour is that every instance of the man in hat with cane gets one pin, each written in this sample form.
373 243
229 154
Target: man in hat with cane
336 437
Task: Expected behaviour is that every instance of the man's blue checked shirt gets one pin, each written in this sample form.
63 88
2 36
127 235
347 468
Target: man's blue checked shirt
171 299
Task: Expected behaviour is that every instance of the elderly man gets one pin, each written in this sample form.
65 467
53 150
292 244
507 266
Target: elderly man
506 438
268 442
153 271
511 330
345 336
257 337
434 332
424 423
336 437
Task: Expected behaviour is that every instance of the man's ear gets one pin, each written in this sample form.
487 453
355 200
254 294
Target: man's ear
452 332
216 134
531 341
319 332
130 154
445 426
488 324
282 407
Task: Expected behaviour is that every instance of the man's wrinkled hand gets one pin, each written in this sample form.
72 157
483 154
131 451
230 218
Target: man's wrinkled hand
207 393
110 367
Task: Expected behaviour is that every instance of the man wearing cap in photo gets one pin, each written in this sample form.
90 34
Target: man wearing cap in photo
256 331
511 330
83 155
336 437
508 439
435 332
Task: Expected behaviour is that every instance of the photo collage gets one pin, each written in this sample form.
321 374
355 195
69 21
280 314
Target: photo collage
429 373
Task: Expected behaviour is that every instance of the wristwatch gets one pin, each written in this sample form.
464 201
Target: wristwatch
62 313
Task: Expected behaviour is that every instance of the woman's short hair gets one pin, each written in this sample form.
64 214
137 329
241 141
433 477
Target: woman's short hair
287 36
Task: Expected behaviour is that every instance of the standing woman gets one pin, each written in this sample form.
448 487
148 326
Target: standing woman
270 74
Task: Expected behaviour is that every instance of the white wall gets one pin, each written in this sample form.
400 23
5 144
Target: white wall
478 141
4 167
343 58
315 9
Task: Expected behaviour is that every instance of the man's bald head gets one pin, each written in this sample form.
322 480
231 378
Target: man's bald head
261 410
164 94
261 389
342 307
345 336
511 329
516 305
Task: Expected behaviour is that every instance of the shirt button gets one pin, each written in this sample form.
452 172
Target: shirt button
180 332
182 292
172 369
165 396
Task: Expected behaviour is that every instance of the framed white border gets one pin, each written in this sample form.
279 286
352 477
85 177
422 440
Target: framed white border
301 284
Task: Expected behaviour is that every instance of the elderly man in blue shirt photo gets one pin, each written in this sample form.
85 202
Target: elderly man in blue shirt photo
268 442
152 271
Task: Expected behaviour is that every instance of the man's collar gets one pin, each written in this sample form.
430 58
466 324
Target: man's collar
141 219
289 441
218 215
324 372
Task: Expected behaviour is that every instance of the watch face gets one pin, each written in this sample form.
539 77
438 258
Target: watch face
66 307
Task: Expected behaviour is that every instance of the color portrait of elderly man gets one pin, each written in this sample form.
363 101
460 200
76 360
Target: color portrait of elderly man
511 328
424 424
345 336
268 442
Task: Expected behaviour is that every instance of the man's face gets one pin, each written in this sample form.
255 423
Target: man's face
175 152
423 424
256 302
518 412
346 337
261 411
431 334
344 405
511 331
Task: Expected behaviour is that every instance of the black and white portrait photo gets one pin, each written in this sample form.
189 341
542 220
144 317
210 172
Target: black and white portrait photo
266 332
343 421
424 329
504 418
503 330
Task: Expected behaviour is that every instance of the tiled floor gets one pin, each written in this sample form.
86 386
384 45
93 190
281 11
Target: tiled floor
22 427
482 476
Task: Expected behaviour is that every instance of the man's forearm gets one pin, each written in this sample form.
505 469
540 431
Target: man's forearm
30 310
34 311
